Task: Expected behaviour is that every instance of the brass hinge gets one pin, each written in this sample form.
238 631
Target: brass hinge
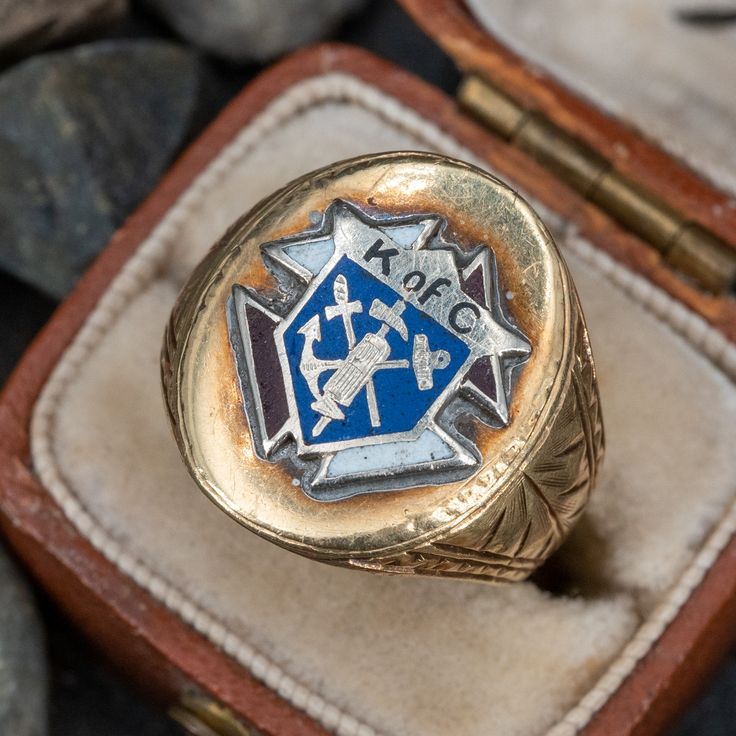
202 716
685 245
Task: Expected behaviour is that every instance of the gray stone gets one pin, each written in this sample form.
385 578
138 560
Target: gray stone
253 30
84 136
28 25
23 676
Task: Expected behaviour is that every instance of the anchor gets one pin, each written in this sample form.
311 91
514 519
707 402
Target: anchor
310 365
364 358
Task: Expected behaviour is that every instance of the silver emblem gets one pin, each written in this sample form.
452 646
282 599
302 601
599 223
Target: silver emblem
384 337
354 372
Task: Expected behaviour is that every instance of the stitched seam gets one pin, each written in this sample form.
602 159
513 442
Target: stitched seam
140 271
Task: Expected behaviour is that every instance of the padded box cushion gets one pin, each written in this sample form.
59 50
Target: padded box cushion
398 656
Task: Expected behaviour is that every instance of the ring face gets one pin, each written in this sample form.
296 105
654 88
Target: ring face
384 335
384 366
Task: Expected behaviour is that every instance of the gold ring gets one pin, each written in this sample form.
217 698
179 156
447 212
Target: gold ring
385 366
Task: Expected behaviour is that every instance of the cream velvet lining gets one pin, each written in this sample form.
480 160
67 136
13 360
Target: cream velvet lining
369 654
638 59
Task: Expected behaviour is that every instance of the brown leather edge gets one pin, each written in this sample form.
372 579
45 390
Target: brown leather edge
151 642
453 27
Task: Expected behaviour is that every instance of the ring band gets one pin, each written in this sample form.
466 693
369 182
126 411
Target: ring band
385 366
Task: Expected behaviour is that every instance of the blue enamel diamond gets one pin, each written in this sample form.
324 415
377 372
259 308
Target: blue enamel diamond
364 362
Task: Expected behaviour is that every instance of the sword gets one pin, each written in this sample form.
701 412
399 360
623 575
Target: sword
344 308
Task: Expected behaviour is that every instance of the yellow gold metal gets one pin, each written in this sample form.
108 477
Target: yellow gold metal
202 716
686 246
536 473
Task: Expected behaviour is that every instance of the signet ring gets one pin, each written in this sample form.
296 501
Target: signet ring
385 366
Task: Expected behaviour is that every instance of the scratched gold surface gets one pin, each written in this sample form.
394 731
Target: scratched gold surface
499 524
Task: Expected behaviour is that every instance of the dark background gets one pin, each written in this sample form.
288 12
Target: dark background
88 698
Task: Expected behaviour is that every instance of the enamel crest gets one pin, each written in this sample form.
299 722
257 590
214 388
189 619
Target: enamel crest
382 336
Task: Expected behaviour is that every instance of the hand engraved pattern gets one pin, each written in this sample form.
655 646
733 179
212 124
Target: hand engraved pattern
528 523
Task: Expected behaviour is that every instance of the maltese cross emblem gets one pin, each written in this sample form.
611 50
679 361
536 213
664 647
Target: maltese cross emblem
386 336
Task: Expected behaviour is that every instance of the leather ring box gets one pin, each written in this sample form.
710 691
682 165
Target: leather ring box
95 499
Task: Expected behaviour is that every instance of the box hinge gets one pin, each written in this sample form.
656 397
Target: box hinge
685 245
203 716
